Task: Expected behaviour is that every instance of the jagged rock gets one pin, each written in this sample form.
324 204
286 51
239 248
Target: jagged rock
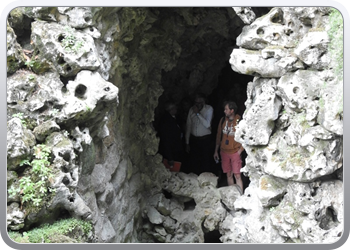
15 217
271 190
300 88
254 223
331 107
229 195
208 179
81 138
39 102
315 211
105 231
20 86
12 183
78 17
245 13
154 216
258 122
69 50
45 129
252 62
42 13
19 143
84 94
281 27
99 178
15 56
312 50
299 155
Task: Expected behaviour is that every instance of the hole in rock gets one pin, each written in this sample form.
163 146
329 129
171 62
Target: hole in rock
212 237
71 199
68 68
80 91
65 156
87 19
289 32
189 205
329 219
43 108
65 81
61 37
65 181
260 31
23 31
277 17
65 169
61 61
167 194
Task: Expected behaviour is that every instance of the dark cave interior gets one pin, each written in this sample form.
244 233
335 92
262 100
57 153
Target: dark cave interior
216 80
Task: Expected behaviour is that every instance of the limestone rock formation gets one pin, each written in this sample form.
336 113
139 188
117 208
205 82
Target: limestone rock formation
86 91
299 155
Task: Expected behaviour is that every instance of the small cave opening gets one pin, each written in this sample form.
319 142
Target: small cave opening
189 205
212 237
167 194
65 81
22 30
230 86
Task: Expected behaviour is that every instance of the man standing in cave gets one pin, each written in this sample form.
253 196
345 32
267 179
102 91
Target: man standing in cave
230 150
171 136
198 135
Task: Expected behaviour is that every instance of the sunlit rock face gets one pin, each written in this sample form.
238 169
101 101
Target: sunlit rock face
294 155
87 83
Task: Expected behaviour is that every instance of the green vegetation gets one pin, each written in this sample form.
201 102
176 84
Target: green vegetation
336 35
35 187
21 117
70 42
31 77
33 64
72 228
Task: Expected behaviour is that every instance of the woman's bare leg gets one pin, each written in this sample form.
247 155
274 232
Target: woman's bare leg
239 181
230 178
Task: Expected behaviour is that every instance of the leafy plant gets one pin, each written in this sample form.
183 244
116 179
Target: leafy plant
30 63
55 112
21 117
34 188
31 77
70 42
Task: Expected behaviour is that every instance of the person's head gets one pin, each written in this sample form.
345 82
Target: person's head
199 100
230 108
171 108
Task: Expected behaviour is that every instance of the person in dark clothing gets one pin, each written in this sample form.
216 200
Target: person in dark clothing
171 143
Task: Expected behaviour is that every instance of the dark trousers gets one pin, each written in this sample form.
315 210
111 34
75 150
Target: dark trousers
201 154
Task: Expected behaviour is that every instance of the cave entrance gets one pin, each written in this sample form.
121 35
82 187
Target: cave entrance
203 66
230 85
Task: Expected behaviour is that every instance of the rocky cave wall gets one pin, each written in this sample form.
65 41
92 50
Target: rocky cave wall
85 83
